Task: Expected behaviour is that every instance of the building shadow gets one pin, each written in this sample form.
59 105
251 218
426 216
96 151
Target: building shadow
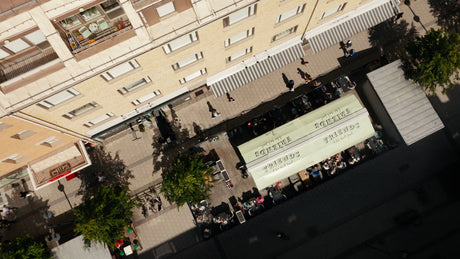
392 38
447 13
106 169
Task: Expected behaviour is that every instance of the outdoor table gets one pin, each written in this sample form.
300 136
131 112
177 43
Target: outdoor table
128 250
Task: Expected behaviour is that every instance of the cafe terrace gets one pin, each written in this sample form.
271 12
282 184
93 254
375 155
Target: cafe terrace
307 140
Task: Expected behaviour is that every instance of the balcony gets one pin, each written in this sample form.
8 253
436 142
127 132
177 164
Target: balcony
95 33
26 64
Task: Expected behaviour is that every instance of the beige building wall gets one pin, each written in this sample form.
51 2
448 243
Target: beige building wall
29 145
144 44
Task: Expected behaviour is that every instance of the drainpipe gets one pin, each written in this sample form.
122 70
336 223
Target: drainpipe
309 19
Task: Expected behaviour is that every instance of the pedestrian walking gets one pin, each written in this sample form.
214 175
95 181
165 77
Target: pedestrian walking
291 85
230 99
303 61
215 114
23 195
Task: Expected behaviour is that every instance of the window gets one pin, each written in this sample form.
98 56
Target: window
23 134
239 54
239 37
17 45
166 9
193 76
290 13
188 61
333 11
135 85
99 119
120 70
14 159
180 42
284 33
36 37
90 14
51 142
240 15
59 98
83 109
146 97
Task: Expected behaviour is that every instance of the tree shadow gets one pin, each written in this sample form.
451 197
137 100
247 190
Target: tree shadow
447 13
392 38
106 170
28 218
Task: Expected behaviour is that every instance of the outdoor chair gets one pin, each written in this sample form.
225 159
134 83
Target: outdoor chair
85 32
102 24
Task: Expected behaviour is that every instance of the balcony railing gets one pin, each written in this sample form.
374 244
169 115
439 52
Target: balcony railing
26 64
98 37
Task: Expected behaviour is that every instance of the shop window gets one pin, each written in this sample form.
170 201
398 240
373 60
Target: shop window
180 42
90 14
59 98
146 97
166 9
187 61
120 70
284 33
239 37
99 119
135 85
333 11
193 76
290 13
239 54
240 15
81 110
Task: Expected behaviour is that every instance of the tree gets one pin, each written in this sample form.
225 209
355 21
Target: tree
106 170
102 218
391 38
448 14
434 60
187 180
24 248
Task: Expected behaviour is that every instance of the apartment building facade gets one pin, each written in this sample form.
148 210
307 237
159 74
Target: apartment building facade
88 67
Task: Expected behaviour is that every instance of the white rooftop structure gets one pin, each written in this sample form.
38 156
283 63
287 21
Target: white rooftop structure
74 249
405 102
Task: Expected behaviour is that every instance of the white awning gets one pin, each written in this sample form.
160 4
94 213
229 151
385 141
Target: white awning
254 68
307 140
405 102
350 23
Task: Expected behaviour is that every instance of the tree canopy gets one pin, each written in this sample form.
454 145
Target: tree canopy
434 60
24 248
187 180
106 170
102 218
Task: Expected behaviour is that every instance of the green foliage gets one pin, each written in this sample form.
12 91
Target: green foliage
102 218
24 248
434 60
187 180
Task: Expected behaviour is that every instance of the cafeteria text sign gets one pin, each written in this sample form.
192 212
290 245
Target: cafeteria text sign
286 135
312 150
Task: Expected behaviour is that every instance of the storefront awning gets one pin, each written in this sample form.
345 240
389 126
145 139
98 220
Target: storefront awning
65 161
254 68
349 24
405 102
306 140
